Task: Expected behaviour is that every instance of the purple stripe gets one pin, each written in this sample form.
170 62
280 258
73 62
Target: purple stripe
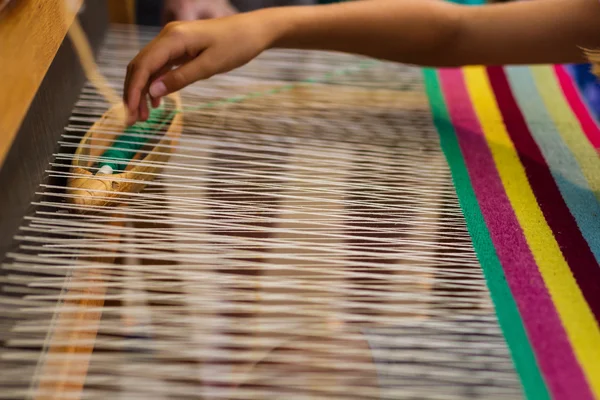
546 333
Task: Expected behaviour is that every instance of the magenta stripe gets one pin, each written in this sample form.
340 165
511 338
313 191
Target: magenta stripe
553 350
578 106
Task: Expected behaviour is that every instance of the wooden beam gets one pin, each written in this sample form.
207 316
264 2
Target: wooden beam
31 31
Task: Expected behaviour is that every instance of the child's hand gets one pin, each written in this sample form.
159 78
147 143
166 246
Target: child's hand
196 50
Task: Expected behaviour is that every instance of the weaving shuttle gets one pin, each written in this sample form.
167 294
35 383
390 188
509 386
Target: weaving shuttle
90 189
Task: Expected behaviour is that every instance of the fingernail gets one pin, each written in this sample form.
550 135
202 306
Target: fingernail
131 119
158 89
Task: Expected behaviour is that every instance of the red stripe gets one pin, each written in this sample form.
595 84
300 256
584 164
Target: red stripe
578 106
574 247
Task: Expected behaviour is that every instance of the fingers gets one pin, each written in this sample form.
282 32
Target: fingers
158 56
144 112
202 67
155 101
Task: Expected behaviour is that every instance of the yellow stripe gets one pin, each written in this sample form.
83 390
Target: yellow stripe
568 126
576 316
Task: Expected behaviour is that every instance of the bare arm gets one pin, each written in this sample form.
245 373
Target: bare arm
437 33
529 32
422 32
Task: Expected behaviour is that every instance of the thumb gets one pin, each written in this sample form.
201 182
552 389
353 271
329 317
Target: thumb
201 67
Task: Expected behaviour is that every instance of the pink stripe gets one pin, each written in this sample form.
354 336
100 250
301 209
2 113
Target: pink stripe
554 354
578 106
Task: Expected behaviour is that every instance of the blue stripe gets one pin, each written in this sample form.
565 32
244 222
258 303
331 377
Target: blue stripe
571 182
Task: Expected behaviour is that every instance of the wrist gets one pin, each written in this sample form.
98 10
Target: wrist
284 24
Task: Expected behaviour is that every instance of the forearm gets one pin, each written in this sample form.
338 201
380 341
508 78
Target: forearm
529 32
437 33
409 31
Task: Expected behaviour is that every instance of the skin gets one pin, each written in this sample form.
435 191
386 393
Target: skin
429 33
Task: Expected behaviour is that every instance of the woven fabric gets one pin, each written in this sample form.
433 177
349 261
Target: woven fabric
522 148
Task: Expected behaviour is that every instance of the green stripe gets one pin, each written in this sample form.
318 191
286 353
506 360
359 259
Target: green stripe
507 312
506 309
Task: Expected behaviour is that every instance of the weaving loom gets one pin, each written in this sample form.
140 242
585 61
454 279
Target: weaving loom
305 240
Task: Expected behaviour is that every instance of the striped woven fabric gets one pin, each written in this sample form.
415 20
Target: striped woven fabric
522 148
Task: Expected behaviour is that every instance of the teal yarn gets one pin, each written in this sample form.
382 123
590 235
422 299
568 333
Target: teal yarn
125 147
